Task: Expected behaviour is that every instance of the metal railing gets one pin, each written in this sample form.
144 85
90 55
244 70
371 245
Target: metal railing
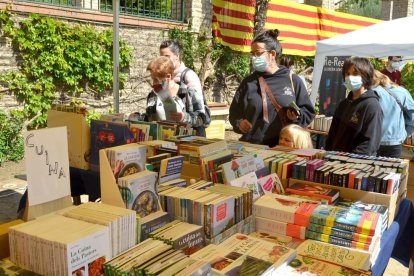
170 10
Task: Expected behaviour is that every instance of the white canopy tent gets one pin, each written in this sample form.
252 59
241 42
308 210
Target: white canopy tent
388 38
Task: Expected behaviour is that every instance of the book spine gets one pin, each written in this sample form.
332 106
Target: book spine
352 236
273 213
336 241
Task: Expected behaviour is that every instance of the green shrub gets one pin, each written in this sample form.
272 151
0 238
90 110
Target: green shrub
11 139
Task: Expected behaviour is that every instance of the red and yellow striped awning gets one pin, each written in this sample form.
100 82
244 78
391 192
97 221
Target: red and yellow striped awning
300 25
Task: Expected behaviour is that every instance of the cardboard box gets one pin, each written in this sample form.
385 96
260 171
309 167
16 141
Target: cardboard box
79 136
4 237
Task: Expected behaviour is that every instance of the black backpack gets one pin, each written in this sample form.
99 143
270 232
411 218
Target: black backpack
183 91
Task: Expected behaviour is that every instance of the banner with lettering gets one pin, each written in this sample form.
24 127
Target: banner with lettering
47 164
331 88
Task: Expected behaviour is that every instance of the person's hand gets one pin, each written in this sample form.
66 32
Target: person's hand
177 116
245 126
119 164
292 115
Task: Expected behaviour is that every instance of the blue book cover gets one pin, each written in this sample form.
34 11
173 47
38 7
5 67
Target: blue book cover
105 135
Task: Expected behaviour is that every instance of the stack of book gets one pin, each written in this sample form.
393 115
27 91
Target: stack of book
127 159
302 265
150 223
283 215
149 256
154 146
181 235
245 255
343 256
120 222
213 210
144 131
321 123
197 149
139 192
348 227
57 245
169 129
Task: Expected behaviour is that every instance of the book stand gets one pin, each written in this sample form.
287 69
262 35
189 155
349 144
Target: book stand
110 193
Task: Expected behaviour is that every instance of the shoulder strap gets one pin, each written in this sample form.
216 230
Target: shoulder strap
264 88
183 73
291 83
396 99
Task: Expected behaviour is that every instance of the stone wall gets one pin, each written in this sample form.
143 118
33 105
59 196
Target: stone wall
393 9
142 35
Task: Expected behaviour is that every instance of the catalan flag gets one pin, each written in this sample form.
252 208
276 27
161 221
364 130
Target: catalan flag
300 25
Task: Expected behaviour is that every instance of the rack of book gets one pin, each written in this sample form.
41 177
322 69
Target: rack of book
194 206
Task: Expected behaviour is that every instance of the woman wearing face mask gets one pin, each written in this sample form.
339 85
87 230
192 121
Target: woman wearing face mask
163 88
357 122
252 113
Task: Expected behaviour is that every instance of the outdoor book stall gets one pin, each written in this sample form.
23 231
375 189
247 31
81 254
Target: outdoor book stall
173 203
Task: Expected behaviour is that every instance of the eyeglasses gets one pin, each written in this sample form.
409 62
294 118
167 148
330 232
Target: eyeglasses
258 54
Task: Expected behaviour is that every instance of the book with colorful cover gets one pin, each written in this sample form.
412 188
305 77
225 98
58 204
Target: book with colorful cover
105 135
314 190
170 168
339 233
348 257
304 266
238 167
249 181
271 184
245 255
127 159
218 216
349 219
338 241
139 192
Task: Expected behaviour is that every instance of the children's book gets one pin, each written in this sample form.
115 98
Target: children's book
314 191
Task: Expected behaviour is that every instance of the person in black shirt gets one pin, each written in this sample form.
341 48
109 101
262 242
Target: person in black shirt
357 122
252 114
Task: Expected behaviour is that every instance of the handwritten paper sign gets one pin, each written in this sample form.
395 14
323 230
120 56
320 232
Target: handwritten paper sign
47 164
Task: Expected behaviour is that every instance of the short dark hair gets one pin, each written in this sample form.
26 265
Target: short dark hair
287 61
173 45
362 66
390 57
269 38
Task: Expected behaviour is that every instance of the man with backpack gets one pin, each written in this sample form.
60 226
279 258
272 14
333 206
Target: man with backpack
190 88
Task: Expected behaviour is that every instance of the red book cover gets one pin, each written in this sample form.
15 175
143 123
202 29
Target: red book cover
303 213
314 191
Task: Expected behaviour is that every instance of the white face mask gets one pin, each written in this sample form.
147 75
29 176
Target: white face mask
353 83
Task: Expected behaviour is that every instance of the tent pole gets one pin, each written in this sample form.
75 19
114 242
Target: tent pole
115 81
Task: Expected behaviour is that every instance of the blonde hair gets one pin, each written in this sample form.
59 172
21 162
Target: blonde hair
161 66
379 79
300 136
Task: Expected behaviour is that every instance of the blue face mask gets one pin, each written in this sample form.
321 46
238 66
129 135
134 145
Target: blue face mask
353 83
395 65
259 64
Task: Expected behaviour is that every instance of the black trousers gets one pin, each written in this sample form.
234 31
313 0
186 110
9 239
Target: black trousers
390 151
